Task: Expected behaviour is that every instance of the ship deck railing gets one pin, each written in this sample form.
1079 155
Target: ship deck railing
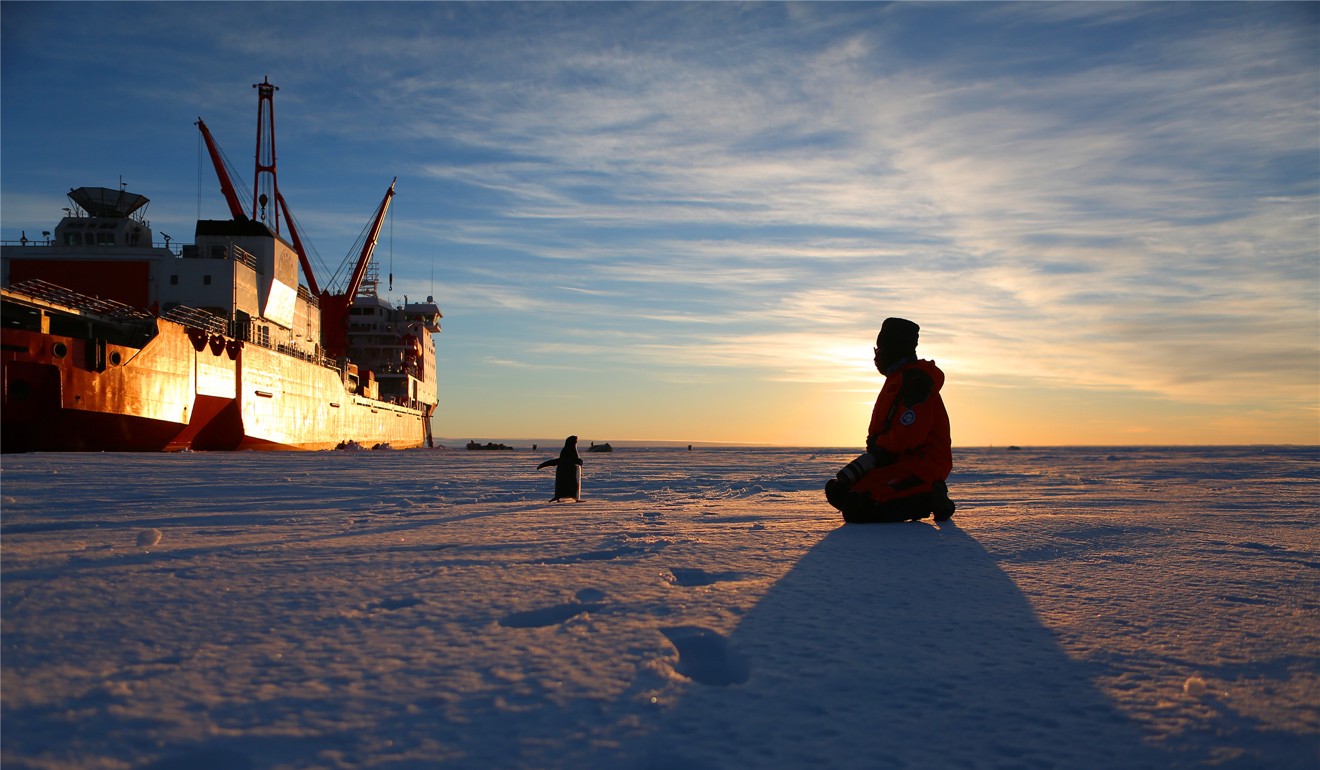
183 315
297 352
250 332
307 296
196 319
58 295
243 255
34 243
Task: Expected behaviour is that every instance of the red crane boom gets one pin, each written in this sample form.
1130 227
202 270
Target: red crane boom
298 245
334 307
364 258
226 184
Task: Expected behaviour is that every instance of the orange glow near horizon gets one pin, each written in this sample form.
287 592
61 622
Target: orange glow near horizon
781 414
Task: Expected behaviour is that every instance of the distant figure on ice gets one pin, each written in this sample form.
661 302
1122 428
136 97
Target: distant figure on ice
902 474
568 477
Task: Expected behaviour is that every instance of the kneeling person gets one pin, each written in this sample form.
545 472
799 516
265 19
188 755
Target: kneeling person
902 475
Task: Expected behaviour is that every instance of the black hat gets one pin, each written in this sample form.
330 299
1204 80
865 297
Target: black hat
897 334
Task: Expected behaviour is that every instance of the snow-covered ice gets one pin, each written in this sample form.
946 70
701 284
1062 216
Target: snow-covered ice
1106 608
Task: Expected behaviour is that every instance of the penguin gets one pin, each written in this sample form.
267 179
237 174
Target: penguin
568 477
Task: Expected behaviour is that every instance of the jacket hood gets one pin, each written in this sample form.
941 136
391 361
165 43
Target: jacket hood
929 367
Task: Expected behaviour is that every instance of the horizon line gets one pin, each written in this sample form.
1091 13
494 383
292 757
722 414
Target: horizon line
660 443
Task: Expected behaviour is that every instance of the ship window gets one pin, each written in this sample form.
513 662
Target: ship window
217 252
206 279
174 280
105 239
73 239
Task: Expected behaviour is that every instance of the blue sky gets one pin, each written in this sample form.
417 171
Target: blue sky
686 221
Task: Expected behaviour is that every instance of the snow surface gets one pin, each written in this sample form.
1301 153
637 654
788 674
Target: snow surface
1107 608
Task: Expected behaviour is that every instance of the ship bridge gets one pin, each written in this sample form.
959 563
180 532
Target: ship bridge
114 218
426 313
109 204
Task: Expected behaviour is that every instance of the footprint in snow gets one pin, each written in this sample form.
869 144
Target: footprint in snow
705 656
548 616
396 603
606 554
691 577
590 595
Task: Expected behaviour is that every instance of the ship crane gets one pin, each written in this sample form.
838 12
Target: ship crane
334 305
236 208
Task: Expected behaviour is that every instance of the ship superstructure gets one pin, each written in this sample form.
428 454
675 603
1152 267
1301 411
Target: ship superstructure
115 341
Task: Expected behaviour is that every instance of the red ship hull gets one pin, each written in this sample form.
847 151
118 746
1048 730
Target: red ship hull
184 389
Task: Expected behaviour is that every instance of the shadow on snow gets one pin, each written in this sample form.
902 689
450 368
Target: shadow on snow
890 646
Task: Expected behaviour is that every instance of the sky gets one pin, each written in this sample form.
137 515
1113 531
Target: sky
687 221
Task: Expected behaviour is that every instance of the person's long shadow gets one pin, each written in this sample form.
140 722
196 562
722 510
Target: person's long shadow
891 646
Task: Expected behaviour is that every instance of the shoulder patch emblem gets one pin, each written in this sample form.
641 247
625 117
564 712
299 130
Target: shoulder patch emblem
908 417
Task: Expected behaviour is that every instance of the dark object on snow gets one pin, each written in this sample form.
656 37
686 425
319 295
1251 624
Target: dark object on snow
568 476
602 448
475 446
940 504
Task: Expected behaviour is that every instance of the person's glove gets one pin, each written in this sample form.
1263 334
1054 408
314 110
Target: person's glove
855 470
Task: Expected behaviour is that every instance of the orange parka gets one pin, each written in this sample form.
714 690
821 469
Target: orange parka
909 432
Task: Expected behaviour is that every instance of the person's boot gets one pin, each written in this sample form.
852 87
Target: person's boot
940 503
835 491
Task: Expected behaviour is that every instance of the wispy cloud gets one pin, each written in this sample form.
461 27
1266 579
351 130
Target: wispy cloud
1128 203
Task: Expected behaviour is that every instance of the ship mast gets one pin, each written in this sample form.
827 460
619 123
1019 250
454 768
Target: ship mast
265 164
265 187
